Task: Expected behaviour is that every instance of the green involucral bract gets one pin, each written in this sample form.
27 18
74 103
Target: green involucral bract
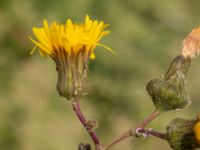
180 134
169 93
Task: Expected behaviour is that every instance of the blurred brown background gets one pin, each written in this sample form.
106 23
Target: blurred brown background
146 34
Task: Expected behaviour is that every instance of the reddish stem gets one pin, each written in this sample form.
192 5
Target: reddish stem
151 117
93 135
118 139
153 132
131 132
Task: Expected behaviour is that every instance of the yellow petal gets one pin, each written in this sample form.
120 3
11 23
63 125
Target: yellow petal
70 37
42 47
197 131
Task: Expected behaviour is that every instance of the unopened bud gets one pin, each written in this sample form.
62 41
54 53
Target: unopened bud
83 146
170 93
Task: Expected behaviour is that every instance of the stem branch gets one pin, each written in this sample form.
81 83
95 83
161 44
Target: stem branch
150 118
153 132
93 135
132 132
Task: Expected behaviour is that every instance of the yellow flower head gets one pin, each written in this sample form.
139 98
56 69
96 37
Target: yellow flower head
70 46
70 38
191 44
197 130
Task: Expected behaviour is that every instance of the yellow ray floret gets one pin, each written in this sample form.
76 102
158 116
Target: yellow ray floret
197 130
72 38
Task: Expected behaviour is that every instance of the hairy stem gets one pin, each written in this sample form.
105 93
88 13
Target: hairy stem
93 135
132 132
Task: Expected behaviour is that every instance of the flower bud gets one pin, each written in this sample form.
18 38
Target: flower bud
180 134
170 93
83 146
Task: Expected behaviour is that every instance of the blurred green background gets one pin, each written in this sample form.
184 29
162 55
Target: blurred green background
146 34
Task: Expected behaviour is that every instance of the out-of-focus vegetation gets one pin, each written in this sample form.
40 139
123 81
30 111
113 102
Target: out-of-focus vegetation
146 34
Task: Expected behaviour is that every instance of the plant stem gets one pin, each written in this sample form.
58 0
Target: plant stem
92 133
150 118
132 131
153 132
118 139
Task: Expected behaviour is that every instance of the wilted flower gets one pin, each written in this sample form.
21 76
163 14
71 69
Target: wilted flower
71 46
191 44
